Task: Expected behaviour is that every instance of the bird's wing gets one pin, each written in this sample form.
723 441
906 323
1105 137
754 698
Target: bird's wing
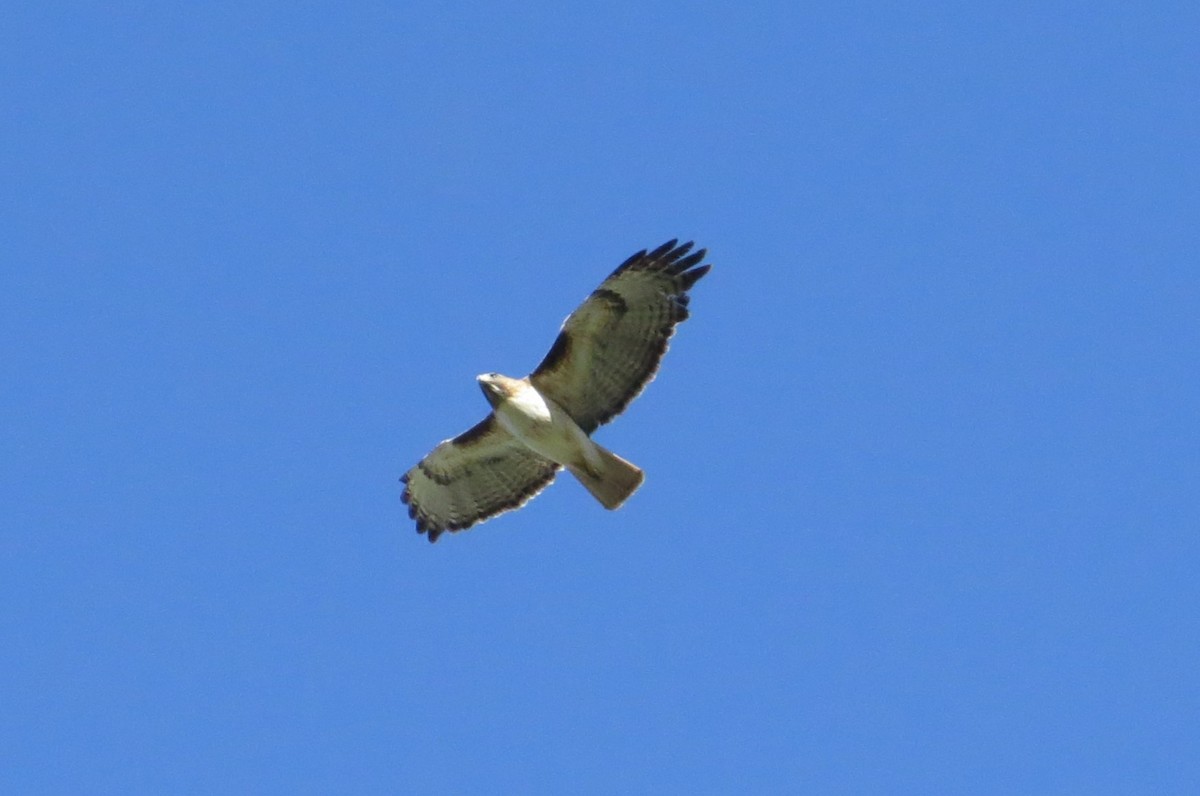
611 345
480 473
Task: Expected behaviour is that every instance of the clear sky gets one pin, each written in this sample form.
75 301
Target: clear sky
921 511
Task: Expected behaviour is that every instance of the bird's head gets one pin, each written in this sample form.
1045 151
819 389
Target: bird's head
492 385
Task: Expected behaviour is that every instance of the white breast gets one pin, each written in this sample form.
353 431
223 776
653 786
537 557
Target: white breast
543 426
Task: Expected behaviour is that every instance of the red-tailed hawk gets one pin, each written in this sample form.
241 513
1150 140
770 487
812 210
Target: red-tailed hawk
608 350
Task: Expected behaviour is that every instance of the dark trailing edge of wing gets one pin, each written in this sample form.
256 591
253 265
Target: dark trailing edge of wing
465 439
433 532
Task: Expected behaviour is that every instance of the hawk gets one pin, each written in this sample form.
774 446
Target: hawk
607 351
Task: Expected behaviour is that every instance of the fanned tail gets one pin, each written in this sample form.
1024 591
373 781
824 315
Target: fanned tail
613 482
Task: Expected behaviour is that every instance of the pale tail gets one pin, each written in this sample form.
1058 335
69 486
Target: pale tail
616 481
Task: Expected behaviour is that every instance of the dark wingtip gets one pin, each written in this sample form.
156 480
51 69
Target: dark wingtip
633 258
661 250
680 250
692 277
423 527
665 258
687 262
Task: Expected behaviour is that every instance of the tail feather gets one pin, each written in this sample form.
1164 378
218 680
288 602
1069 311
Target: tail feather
613 482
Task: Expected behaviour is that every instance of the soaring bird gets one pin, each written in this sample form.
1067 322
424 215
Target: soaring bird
607 351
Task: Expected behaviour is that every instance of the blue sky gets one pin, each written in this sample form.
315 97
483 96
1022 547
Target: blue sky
921 509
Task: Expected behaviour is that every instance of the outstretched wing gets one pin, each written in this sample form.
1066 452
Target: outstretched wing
480 473
610 346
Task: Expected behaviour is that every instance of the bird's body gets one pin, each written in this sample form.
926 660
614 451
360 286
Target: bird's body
542 426
537 421
606 353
